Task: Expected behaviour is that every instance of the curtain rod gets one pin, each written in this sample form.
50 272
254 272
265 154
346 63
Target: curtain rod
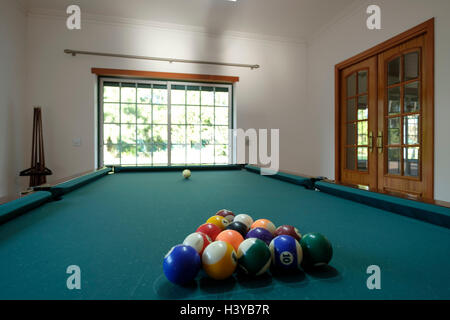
75 52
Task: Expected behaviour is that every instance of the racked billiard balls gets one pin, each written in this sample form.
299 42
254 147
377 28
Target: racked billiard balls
288 230
317 250
261 234
181 264
219 260
198 240
264 223
232 237
219 221
286 252
210 229
239 227
253 257
226 214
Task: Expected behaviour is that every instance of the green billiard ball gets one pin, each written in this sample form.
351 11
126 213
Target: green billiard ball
253 257
317 250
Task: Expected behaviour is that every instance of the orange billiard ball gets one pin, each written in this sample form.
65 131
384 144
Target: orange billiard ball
232 237
264 223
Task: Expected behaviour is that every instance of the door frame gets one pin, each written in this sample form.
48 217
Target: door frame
426 27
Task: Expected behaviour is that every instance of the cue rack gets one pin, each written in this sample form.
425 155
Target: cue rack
37 172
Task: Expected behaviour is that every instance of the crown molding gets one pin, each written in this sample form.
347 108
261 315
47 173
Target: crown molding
137 23
348 11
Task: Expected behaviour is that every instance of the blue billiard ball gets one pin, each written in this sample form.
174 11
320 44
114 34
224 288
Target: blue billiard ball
181 264
286 252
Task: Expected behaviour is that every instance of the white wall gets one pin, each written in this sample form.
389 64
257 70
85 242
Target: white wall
12 88
348 37
269 97
293 90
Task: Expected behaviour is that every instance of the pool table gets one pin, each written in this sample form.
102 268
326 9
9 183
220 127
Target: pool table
117 224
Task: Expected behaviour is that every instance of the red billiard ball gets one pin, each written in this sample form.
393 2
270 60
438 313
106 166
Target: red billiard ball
289 231
210 229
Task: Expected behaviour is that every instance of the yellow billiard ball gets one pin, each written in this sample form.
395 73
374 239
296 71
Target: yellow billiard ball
219 260
186 173
219 221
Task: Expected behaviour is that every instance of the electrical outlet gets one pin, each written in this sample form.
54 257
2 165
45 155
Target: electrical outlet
76 142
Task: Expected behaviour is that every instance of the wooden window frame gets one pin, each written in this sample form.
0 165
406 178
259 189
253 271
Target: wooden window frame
356 146
426 27
164 75
402 114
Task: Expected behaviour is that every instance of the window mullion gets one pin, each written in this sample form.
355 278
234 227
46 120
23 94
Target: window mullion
120 123
169 123
136 121
152 139
185 133
214 125
201 142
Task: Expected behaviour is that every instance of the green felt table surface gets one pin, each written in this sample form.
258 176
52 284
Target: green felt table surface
118 228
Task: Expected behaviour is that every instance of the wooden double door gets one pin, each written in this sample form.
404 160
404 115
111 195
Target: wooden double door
385 119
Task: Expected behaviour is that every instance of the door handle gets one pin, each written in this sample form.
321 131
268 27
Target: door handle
370 141
380 141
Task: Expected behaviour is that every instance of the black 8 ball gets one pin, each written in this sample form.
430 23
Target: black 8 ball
239 227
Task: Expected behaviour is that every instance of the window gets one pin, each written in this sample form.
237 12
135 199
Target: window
357 121
403 114
160 123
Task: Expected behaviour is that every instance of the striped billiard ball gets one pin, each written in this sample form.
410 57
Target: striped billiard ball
219 260
254 257
286 252
219 221
227 214
289 231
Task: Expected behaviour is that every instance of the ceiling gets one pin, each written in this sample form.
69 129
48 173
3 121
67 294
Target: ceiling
290 19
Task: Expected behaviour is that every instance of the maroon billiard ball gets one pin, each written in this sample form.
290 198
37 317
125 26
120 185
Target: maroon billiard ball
227 214
289 231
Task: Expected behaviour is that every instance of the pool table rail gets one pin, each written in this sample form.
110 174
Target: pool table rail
425 211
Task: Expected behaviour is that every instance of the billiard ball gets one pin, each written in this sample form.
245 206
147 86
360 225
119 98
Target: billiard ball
232 237
219 260
239 227
254 257
186 173
288 230
210 229
226 214
219 221
181 264
245 219
198 240
317 250
264 223
286 252
261 234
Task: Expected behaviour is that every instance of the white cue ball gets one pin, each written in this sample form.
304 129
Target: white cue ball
186 173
